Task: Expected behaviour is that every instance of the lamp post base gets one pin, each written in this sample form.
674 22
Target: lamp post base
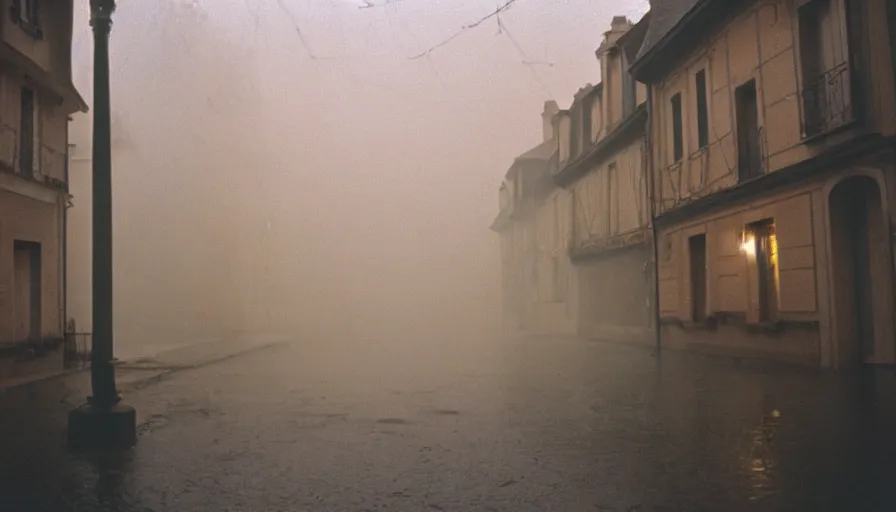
102 428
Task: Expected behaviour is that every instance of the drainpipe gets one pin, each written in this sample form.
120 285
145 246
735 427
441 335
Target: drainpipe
65 234
651 196
891 28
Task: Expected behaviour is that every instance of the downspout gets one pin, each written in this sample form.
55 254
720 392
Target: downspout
65 204
651 197
891 28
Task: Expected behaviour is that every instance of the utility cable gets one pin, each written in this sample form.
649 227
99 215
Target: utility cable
503 7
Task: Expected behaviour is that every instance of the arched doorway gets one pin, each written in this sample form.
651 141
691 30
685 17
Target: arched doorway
859 263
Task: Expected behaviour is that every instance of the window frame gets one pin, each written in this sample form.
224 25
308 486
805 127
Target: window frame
702 108
27 14
676 105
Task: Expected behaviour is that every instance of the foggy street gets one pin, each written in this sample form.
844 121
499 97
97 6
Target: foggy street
546 424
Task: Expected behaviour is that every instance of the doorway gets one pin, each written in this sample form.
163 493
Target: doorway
859 248
26 282
697 251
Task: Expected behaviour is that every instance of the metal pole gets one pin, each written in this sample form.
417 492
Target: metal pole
102 375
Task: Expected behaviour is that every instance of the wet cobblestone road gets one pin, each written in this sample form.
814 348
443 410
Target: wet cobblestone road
548 425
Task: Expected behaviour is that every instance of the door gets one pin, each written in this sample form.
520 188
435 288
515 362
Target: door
26 282
697 249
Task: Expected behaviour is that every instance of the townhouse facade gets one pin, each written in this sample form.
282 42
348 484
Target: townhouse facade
772 176
575 226
36 99
602 170
535 271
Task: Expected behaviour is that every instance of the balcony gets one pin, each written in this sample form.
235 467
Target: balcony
51 168
827 101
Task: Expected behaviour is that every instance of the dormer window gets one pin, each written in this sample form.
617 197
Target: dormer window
26 13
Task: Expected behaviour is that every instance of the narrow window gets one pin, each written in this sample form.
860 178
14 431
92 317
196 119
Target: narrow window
677 138
27 132
763 243
628 89
555 279
609 87
612 200
587 136
556 219
575 132
825 68
749 152
702 110
697 254
26 11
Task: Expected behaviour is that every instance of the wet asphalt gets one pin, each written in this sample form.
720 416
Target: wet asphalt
469 426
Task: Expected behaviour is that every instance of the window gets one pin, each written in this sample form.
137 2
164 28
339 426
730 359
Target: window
825 68
749 152
697 254
26 14
612 200
761 243
628 89
575 132
609 85
556 224
677 138
702 110
587 136
29 144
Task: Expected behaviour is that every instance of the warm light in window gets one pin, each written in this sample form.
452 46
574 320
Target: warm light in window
748 245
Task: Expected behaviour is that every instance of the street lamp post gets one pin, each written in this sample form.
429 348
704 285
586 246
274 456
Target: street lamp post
103 421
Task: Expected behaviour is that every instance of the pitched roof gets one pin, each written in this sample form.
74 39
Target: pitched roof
543 152
664 15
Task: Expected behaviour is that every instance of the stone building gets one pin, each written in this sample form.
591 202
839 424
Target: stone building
36 99
531 302
574 222
772 156
602 173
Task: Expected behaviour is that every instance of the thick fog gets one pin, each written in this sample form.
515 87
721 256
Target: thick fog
286 168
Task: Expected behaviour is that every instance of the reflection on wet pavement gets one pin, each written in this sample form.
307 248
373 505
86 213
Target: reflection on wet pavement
549 425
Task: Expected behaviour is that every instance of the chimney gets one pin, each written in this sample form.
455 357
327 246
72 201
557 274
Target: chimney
619 26
547 119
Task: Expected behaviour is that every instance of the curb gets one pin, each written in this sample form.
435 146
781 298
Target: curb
160 373
156 374
41 379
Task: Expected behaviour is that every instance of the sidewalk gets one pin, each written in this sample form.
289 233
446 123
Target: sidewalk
133 374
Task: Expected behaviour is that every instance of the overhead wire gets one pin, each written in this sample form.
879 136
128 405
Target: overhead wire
524 58
503 7
298 29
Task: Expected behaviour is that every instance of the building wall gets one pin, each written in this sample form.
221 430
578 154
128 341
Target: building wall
30 208
555 296
761 44
611 199
802 328
51 127
50 51
615 296
30 219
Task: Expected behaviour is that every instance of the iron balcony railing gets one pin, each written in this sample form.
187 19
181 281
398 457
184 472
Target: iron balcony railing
827 101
